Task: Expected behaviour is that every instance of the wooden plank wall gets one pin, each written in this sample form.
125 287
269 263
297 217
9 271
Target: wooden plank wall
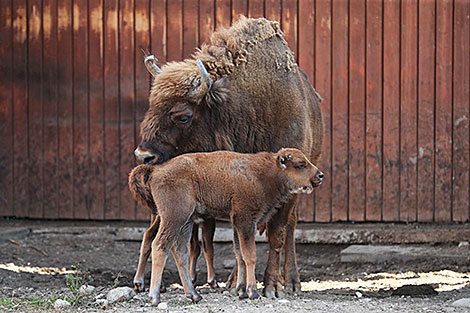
394 75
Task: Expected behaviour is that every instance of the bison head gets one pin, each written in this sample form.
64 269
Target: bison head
182 114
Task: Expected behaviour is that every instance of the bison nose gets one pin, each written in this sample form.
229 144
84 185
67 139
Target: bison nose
144 156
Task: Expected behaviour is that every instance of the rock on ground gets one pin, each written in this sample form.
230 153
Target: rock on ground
61 304
86 290
120 294
464 302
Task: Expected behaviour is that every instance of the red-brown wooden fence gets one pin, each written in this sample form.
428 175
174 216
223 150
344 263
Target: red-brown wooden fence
394 75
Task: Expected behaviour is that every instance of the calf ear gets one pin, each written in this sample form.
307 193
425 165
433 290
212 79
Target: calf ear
282 162
218 92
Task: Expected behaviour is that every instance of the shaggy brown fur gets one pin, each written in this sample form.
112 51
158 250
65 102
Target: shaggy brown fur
245 189
260 100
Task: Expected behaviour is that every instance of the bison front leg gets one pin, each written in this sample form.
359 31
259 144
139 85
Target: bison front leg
291 273
276 231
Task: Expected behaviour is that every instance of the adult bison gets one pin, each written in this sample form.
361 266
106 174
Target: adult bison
242 92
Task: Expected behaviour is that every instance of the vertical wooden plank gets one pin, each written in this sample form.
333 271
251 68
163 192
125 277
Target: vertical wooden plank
323 86
255 8
206 20
223 12
391 112
374 111
80 109
306 63
408 131
426 95
272 10
111 98
158 29
339 133
443 151
20 110
190 28
126 104
175 30
357 190
35 103
6 110
50 93
289 23
96 164
142 77
239 7
461 98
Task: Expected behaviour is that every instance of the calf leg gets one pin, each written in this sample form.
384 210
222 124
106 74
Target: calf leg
246 234
276 231
145 250
194 252
291 274
208 229
240 287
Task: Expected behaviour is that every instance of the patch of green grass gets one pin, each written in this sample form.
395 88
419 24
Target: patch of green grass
74 282
35 302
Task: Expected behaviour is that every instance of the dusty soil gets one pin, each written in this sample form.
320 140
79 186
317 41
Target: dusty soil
32 276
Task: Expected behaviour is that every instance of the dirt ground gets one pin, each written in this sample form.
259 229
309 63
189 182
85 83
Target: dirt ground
33 274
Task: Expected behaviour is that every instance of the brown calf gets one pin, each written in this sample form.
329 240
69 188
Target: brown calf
245 189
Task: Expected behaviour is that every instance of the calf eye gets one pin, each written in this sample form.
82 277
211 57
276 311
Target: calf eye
299 166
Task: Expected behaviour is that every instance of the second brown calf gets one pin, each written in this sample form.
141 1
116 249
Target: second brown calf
246 189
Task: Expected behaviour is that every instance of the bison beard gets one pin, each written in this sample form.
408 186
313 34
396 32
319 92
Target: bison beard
258 99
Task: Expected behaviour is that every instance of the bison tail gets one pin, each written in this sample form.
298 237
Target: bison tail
140 187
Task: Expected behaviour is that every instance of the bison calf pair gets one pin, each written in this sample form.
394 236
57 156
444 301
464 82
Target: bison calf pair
245 189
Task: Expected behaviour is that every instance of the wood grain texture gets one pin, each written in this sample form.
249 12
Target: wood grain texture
461 99
323 85
357 101
391 111
223 12
6 111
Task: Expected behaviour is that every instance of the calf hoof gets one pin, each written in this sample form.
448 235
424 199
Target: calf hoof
242 294
194 296
138 287
162 289
213 283
155 300
253 294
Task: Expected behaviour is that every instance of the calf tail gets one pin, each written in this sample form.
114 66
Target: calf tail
140 187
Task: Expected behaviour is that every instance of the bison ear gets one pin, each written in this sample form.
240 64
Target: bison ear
218 92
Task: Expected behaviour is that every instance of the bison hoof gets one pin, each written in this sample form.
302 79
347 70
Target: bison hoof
269 293
293 287
194 296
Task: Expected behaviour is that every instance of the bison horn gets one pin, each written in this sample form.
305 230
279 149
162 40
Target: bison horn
150 62
204 74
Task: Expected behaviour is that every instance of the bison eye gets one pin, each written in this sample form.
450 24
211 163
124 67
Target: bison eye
299 166
184 119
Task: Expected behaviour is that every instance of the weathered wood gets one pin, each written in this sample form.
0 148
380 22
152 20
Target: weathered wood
391 111
96 165
323 86
339 133
126 106
408 110
357 63
239 7
272 9
223 13
426 63
174 35
289 23
80 110
6 111
190 28
461 98
256 8
373 150
111 113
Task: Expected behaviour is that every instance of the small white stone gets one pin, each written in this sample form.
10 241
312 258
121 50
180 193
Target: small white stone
61 304
463 244
358 294
283 301
463 303
269 306
86 290
120 294
162 306
102 303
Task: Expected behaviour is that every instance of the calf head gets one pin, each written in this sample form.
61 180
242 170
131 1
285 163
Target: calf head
301 175
180 117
